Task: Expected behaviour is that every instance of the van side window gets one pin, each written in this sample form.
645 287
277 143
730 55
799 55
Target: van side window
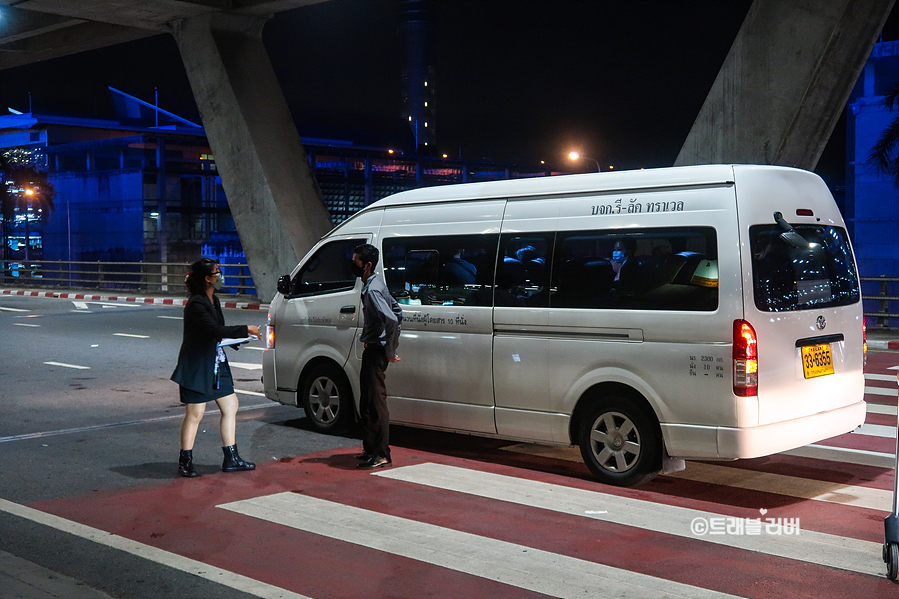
649 269
328 270
522 274
447 270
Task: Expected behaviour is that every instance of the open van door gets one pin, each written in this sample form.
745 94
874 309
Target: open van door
318 319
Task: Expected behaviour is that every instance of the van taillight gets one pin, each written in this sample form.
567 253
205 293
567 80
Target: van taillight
269 333
746 364
864 343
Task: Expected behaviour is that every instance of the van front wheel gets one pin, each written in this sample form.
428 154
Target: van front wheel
619 442
327 399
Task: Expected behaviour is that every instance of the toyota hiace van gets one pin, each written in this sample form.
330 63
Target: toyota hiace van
708 312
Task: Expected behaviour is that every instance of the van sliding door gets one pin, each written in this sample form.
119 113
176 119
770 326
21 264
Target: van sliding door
439 264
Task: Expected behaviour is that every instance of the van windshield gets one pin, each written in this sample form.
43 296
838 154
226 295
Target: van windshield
794 276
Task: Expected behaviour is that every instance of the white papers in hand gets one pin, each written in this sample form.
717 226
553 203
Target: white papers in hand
228 341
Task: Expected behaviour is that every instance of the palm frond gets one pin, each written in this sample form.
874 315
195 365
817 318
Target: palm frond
882 155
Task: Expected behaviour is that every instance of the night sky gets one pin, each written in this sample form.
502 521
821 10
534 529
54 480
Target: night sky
517 80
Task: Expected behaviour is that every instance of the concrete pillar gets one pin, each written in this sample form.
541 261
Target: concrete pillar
785 82
275 201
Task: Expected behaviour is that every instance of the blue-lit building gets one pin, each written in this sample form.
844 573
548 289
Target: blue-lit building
872 197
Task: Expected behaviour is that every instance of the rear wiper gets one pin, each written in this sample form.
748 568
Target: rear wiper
790 235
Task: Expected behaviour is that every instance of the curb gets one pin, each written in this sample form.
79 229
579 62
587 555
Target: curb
883 344
133 299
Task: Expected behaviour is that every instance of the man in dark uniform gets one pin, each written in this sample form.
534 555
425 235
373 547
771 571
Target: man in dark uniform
382 317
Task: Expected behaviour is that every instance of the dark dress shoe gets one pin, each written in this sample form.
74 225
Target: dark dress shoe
375 461
363 457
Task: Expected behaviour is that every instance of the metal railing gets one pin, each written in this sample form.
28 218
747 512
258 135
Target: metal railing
141 277
168 278
888 291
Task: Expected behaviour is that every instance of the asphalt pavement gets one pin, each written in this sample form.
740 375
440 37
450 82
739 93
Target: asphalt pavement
88 406
127 400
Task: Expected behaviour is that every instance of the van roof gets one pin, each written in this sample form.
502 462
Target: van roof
712 174
573 185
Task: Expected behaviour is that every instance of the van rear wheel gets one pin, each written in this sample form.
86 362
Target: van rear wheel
327 398
620 442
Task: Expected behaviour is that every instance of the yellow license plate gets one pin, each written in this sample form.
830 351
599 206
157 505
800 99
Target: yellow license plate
816 360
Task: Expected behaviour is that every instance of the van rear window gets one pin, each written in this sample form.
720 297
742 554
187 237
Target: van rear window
790 275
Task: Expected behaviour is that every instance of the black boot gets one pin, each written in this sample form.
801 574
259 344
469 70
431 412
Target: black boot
186 464
232 462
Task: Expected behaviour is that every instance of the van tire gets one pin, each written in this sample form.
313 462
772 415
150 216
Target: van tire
327 398
619 441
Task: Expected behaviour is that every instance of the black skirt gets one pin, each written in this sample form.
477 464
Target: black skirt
226 387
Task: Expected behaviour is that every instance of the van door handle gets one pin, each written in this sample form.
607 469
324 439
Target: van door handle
348 310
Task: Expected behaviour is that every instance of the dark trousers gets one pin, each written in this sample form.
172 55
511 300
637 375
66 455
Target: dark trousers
373 401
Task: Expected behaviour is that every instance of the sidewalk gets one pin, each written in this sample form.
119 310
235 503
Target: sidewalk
228 301
22 579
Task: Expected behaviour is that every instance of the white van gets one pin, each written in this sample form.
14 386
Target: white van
728 325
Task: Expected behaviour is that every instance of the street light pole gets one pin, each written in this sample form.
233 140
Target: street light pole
578 156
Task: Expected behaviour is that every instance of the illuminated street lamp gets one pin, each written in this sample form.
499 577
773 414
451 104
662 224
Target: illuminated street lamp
577 156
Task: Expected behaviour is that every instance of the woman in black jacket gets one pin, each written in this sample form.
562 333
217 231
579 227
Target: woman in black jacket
202 371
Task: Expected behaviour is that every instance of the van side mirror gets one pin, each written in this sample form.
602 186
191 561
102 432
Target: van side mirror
284 284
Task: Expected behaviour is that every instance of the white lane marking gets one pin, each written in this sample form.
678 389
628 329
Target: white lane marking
791 486
81 311
172 317
808 546
861 457
255 393
4 308
64 365
893 368
95 427
508 563
881 391
879 408
173 560
245 365
873 376
254 348
80 305
25 324
131 335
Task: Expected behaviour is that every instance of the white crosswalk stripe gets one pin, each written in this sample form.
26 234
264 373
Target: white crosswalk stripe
740 478
881 391
873 376
810 546
509 563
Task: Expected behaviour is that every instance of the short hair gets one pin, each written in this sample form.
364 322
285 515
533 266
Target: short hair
629 244
196 278
367 253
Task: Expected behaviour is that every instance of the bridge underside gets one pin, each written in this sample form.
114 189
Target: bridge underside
775 101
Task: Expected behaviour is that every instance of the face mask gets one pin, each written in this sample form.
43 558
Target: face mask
617 255
356 269
219 283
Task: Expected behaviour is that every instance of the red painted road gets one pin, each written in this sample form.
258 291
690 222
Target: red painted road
180 516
